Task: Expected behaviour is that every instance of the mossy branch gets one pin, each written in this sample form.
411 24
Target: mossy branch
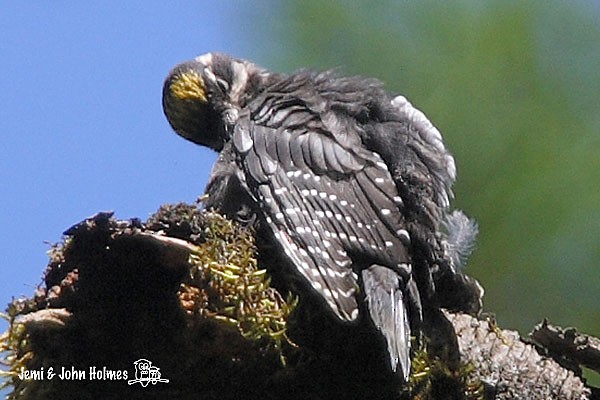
185 290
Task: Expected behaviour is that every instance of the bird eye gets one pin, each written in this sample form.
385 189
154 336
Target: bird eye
223 85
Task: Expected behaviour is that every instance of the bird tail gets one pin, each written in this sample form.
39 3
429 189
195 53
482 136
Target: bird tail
388 307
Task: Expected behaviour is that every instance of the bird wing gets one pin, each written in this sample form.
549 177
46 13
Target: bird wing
437 164
326 203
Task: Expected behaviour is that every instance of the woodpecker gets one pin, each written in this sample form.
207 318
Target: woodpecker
351 182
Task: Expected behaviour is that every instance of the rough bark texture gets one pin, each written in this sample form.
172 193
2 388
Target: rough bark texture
181 289
512 368
568 345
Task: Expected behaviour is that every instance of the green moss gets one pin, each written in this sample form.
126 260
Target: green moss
432 379
227 285
14 344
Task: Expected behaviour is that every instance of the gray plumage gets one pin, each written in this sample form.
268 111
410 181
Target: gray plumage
460 237
384 291
352 184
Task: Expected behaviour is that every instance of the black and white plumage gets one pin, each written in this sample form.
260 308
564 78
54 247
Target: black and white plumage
352 183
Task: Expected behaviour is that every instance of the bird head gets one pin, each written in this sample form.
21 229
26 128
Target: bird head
202 98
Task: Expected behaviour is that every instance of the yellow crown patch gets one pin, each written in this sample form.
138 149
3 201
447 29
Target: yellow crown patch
189 85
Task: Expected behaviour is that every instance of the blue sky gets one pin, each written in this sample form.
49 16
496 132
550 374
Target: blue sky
81 124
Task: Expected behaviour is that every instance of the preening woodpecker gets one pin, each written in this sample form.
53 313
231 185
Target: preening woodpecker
353 184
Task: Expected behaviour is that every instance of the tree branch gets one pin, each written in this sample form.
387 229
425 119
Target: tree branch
183 290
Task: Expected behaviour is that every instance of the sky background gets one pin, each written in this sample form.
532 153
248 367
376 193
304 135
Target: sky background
81 123
82 128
